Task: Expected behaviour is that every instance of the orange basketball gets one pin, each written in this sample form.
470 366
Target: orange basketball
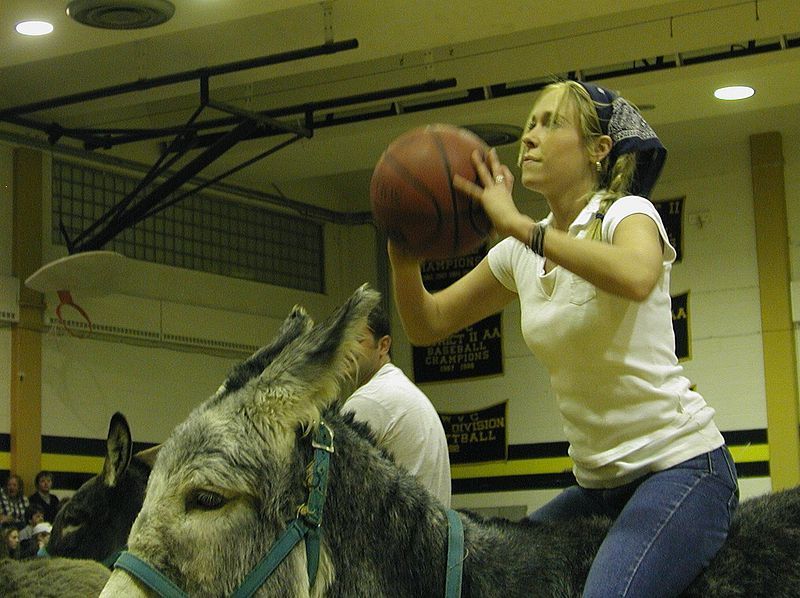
412 195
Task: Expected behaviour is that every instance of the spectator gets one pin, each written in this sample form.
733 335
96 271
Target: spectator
9 542
41 536
404 421
33 514
49 502
13 503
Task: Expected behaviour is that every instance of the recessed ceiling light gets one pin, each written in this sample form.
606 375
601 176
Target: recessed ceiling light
734 92
121 14
34 28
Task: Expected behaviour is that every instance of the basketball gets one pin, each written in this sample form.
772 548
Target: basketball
412 195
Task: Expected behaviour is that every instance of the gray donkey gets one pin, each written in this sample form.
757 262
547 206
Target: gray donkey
95 522
230 478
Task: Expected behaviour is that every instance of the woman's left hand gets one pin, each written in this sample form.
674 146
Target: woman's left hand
494 195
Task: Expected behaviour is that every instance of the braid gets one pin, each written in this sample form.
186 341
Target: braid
619 182
622 175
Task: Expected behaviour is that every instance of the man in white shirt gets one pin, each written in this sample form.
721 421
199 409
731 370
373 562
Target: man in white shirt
403 419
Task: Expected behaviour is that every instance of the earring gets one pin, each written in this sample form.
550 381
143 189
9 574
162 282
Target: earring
598 166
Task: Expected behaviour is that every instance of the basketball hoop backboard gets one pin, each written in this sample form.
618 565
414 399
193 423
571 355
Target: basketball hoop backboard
90 273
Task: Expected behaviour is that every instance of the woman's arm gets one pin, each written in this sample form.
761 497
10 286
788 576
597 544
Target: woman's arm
430 317
629 267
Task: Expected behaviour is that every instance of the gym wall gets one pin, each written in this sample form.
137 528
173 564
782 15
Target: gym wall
154 355
217 320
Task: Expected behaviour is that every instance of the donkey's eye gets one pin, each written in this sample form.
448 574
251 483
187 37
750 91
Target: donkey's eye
205 500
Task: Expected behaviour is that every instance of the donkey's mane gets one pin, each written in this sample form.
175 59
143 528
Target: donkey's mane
362 429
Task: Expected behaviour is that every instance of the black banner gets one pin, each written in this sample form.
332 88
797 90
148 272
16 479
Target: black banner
469 353
477 435
680 324
472 352
671 212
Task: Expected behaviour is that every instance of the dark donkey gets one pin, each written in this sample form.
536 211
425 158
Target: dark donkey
229 478
95 522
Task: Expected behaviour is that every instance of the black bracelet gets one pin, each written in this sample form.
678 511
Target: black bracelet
536 242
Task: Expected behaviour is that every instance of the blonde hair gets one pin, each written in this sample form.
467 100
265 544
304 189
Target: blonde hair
621 176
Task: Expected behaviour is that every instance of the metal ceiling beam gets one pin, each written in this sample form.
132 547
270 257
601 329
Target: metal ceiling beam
239 194
182 77
135 207
307 110
139 210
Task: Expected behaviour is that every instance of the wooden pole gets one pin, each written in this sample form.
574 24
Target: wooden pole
26 339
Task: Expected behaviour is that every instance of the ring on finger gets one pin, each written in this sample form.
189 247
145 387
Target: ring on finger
499 179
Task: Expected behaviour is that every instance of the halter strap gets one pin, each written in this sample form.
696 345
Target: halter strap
261 572
112 558
306 525
155 580
455 555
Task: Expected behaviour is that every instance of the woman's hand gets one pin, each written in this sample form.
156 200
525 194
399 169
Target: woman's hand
494 195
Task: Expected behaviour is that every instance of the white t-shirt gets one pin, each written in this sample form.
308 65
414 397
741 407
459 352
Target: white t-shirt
626 406
406 425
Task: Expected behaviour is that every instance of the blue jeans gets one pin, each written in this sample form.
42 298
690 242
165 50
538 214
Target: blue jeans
667 526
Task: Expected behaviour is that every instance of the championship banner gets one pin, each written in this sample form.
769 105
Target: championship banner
680 324
469 353
671 212
477 435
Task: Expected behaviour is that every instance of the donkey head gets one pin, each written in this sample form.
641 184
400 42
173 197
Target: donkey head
231 476
95 522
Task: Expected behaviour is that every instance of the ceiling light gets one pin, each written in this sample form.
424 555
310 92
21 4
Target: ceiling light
734 92
121 14
34 28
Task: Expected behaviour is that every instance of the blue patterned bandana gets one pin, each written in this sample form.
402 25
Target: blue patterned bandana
629 132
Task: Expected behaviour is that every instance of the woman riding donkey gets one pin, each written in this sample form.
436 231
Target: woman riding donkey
592 279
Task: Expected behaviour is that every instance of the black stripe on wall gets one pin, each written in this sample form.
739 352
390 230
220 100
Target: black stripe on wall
97 448
84 447
551 481
542 481
744 437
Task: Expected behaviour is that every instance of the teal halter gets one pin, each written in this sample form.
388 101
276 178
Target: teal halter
305 525
455 555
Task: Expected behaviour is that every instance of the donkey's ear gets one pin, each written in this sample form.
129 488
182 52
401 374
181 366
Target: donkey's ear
305 378
119 449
